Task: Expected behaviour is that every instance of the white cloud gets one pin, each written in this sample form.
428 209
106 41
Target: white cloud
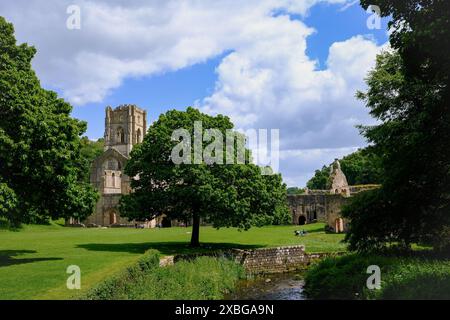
316 111
120 39
266 81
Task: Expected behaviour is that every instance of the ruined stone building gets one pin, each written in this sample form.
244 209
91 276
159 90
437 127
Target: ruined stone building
325 205
125 126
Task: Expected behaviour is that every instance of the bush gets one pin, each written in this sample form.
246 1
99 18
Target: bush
202 278
418 280
116 287
401 278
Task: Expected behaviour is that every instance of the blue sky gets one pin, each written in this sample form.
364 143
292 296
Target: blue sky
181 88
291 65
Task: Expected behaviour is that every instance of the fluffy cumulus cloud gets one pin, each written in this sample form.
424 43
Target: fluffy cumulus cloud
265 81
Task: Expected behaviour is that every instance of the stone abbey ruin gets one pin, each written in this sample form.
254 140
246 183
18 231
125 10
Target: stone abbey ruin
325 205
126 125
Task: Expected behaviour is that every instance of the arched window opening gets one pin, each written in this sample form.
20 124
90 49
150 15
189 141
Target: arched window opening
120 135
138 136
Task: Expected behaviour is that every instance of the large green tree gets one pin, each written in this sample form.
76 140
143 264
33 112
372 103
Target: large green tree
226 195
39 143
409 93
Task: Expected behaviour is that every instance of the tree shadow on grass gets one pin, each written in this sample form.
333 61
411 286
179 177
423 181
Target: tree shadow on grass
7 257
165 248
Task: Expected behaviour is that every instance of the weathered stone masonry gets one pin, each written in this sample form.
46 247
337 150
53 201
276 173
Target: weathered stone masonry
325 205
258 261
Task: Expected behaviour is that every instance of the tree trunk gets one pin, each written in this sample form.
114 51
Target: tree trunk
195 230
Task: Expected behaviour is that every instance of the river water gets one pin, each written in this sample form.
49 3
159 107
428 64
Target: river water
286 286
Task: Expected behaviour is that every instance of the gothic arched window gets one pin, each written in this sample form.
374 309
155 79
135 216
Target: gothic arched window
120 135
138 135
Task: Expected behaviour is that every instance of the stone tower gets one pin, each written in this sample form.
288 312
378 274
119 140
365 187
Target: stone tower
124 127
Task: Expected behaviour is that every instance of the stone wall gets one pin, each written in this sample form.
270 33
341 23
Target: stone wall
317 208
273 260
258 261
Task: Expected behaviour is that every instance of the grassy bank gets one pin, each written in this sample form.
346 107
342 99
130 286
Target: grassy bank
401 278
203 278
33 261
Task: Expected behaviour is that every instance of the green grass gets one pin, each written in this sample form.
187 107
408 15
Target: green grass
33 261
203 278
418 276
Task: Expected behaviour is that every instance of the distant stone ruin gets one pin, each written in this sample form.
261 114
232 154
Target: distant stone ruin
325 205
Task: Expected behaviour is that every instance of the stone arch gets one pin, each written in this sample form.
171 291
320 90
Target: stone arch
120 135
138 136
110 217
166 222
302 220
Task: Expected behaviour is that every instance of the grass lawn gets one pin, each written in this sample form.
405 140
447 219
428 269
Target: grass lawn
33 261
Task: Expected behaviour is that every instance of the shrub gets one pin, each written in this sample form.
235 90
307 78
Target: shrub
201 278
401 278
117 286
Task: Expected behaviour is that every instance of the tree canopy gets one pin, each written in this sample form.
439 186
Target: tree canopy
39 143
408 92
226 195
89 151
360 167
295 190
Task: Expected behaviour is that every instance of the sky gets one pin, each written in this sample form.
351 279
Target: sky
290 65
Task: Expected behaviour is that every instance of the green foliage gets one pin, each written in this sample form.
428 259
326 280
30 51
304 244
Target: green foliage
8 199
401 278
408 93
118 286
366 211
89 151
340 277
360 167
202 278
415 159
228 195
423 280
103 252
39 143
321 178
295 190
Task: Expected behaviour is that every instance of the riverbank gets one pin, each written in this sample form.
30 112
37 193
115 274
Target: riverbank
199 278
203 278
281 286
418 276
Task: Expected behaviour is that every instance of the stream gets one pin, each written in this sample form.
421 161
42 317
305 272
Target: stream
285 286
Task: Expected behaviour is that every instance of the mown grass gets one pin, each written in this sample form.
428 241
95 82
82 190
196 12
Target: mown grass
402 277
33 260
